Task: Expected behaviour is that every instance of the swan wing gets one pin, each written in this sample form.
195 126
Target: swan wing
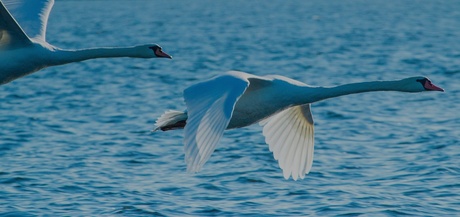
31 15
289 135
11 34
210 107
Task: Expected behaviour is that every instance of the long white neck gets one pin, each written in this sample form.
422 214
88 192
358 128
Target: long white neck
315 94
60 57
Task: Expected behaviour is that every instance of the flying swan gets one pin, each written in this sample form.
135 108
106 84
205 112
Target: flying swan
24 50
280 104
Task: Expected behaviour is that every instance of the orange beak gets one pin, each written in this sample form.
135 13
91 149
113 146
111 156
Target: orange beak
432 87
160 53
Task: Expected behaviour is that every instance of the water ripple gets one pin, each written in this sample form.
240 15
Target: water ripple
76 140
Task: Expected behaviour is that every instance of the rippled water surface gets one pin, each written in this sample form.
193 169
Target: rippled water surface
75 140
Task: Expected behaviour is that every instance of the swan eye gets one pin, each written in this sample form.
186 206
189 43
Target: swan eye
422 81
155 48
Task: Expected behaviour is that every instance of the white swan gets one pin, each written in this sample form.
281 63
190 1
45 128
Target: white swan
23 48
280 104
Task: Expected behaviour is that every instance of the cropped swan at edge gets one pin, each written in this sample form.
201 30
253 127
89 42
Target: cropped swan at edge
280 104
24 50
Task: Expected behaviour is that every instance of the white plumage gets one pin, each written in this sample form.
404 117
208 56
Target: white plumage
23 46
280 104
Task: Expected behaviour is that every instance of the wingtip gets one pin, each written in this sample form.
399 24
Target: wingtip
193 169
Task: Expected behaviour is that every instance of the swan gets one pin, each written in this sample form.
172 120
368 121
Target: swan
280 104
24 50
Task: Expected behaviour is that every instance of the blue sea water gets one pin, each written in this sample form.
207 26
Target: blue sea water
75 140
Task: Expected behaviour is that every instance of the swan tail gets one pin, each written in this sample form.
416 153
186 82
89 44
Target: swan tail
171 120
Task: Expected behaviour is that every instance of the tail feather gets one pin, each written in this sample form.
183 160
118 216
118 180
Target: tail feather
171 120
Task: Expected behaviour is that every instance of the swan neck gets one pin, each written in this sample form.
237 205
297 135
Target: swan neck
322 93
69 56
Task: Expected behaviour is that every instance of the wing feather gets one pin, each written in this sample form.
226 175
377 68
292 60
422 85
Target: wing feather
11 34
294 164
302 159
31 15
210 107
290 136
287 155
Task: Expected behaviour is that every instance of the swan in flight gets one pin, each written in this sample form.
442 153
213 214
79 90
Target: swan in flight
24 50
280 104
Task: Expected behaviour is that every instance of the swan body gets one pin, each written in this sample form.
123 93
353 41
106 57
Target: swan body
23 46
280 104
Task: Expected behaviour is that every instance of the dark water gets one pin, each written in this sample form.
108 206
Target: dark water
76 140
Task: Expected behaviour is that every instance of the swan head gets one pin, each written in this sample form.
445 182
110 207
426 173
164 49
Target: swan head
154 51
419 84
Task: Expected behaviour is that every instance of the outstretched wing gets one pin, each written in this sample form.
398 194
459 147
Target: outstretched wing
290 136
210 107
31 15
11 34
